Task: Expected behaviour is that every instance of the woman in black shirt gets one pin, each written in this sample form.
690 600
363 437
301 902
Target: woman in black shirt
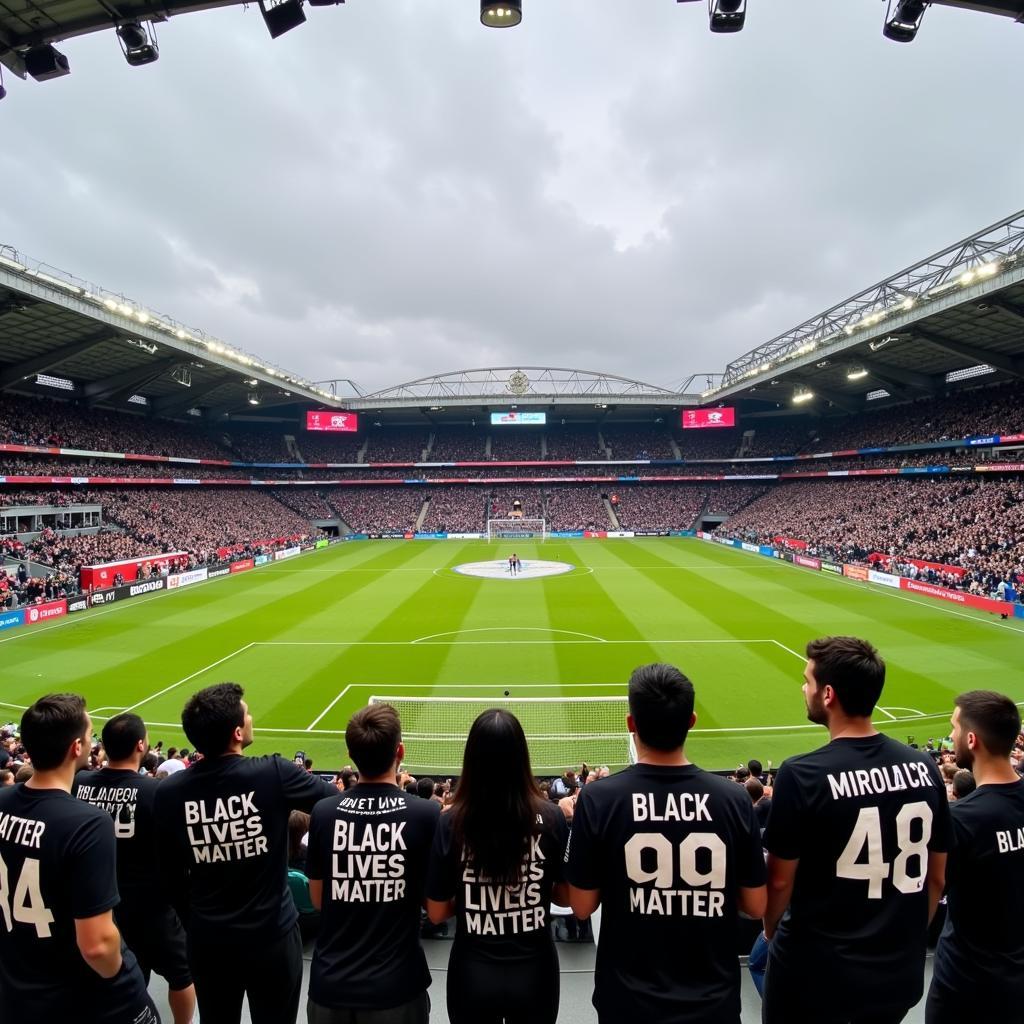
495 865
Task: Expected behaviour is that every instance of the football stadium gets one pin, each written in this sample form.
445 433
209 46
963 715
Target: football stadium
529 690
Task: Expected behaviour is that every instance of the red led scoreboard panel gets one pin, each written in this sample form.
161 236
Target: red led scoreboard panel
693 418
336 422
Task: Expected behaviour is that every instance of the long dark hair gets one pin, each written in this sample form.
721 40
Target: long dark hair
496 805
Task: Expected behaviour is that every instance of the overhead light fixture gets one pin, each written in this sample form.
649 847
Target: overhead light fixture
856 373
137 44
802 395
902 23
254 398
45 62
183 375
501 13
727 15
282 17
881 342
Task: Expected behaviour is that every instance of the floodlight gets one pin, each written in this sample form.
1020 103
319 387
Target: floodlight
727 15
501 13
138 46
802 395
901 24
282 17
254 398
45 62
856 373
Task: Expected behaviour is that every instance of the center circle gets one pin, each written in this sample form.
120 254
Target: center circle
499 569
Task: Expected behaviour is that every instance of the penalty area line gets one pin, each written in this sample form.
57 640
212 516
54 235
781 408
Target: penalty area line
180 682
312 725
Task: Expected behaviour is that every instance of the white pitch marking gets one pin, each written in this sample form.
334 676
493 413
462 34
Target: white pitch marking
17 707
421 642
313 724
789 650
885 711
508 629
205 668
911 712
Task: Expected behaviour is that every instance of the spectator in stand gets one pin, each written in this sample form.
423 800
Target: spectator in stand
979 962
223 828
500 837
368 966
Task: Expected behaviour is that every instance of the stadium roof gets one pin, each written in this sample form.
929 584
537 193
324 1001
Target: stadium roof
954 316
29 23
99 346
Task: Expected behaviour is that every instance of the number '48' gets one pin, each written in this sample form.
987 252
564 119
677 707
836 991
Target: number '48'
867 832
27 906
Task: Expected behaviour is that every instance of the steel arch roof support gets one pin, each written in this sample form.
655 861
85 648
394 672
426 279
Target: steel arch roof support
1013 365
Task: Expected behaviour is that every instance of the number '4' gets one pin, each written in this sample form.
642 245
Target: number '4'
27 905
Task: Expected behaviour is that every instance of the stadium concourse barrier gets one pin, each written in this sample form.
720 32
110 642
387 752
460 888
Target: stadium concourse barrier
865 574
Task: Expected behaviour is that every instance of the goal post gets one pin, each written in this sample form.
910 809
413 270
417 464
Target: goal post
517 529
561 732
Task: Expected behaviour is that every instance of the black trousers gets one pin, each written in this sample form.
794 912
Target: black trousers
416 1011
483 991
269 973
792 998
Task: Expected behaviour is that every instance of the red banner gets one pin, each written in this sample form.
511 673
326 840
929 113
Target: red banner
41 612
332 422
1000 467
603 534
956 570
855 572
986 604
101 577
791 542
242 565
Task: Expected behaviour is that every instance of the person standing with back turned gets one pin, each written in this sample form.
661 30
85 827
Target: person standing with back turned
979 962
223 830
673 854
61 955
857 839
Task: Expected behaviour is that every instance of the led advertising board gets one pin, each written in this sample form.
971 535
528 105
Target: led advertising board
332 422
694 418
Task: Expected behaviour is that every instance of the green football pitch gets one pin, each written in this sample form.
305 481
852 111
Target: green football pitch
314 638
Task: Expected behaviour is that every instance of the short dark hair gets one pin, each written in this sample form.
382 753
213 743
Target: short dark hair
853 668
211 717
425 788
755 767
372 737
754 788
661 702
50 726
992 717
964 783
121 735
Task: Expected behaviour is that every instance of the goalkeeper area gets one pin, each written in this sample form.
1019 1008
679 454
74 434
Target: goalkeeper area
516 529
316 637
561 731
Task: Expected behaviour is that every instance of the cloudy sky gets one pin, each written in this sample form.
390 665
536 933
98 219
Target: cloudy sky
392 190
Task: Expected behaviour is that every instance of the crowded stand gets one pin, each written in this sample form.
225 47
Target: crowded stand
508 446
454 444
574 443
973 525
670 507
500 502
330 447
306 501
378 509
455 510
638 443
259 446
396 446
575 508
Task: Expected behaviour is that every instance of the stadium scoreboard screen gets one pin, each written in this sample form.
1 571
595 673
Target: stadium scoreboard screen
504 419
696 418
333 422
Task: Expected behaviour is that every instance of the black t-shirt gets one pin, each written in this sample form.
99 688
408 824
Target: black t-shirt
981 950
128 798
498 922
222 827
370 846
861 816
668 847
57 864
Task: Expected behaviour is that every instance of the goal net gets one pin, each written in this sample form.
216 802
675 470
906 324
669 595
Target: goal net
517 529
561 732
